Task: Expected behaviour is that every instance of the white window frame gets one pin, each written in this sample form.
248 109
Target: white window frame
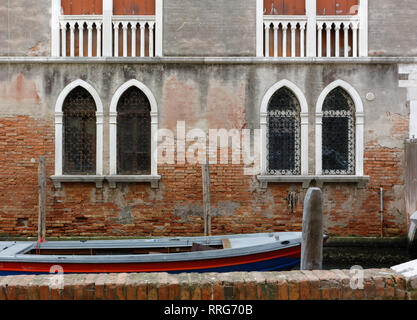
359 116
107 27
304 124
311 32
59 126
113 125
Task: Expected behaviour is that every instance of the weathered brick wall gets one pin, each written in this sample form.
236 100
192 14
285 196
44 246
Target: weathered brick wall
22 141
383 284
204 96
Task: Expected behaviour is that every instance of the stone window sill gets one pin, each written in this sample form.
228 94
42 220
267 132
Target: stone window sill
58 180
114 179
361 181
265 179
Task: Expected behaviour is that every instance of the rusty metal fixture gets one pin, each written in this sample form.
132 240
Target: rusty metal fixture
338 133
79 138
283 134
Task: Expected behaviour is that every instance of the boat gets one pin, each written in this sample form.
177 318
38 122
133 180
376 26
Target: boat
274 251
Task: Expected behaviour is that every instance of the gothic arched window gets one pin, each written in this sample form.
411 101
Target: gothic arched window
283 133
79 136
133 133
338 133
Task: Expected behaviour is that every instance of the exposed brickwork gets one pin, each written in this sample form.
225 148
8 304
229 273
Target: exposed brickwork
22 141
294 285
239 204
203 96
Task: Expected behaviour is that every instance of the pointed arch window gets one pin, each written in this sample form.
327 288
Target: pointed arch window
340 123
338 134
79 134
283 133
133 133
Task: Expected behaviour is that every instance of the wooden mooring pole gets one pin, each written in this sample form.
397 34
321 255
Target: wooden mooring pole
206 196
42 198
312 242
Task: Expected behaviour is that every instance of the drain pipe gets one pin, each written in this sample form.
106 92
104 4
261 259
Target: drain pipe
381 196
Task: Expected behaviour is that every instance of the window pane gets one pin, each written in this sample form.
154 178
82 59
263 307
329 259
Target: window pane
134 133
283 136
79 133
338 133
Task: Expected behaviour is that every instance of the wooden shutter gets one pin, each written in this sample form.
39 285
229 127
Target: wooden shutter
75 7
336 7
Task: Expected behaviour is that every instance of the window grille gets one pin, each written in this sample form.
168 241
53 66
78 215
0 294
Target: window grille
338 142
283 134
79 140
134 133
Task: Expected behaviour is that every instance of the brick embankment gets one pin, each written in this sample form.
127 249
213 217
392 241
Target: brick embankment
294 285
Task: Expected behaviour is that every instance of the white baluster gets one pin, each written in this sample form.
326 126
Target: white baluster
302 33
346 35
142 38
81 38
98 27
125 25
337 39
72 43
90 38
116 39
151 26
267 26
355 39
328 39
275 26
284 38
319 38
64 39
293 29
133 24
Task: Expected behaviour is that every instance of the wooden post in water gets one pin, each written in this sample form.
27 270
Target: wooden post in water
312 242
206 196
42 198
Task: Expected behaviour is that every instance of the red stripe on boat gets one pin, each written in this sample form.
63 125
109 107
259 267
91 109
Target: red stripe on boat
293 252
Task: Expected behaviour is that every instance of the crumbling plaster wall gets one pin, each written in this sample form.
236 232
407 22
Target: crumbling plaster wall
391 28
209 28
25 27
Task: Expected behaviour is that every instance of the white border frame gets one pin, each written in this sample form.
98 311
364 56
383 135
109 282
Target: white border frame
59 125
113 124
304 123
359 115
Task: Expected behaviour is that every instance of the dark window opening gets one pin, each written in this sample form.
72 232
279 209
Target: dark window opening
283 134
134 133
79 136
338 142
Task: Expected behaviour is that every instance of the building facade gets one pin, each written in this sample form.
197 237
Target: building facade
119 96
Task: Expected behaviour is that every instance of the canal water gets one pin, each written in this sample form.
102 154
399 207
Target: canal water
367 253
